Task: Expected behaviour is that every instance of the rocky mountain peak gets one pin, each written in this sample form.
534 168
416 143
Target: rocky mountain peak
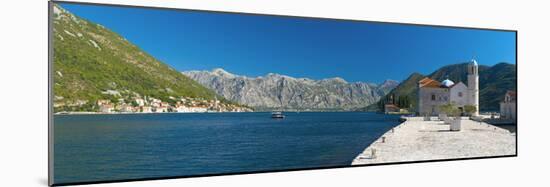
335 80
389 83
282 91
222 72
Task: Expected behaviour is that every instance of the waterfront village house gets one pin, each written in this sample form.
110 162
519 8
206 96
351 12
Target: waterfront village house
140 102
102 102
146 109
106 108
390 108
432 93
161 109
126 108
508 106
198 109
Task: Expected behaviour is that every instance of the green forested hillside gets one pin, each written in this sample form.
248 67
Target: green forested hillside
406 90
494 81
91 62
493 84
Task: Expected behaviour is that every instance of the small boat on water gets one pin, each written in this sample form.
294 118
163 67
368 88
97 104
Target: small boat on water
277 114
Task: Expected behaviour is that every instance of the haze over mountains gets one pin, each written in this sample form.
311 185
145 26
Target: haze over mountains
274 91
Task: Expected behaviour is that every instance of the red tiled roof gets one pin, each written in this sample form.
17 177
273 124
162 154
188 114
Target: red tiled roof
391 106
511 93
424 80
427 82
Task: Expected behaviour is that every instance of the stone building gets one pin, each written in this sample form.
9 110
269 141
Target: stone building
432 93
508 106
388 108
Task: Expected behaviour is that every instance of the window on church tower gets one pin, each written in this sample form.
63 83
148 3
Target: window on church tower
433 97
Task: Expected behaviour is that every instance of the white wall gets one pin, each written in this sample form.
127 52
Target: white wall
23 73
508 110
459 101
429 106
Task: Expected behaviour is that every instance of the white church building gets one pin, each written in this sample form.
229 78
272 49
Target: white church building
432 93
508 106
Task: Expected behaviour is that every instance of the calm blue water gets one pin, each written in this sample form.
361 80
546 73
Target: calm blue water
113 147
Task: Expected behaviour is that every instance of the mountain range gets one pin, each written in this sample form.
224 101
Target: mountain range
274 91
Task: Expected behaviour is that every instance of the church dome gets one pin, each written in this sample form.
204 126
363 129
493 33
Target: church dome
447 83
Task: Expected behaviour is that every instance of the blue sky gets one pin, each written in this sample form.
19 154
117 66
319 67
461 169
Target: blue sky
255 45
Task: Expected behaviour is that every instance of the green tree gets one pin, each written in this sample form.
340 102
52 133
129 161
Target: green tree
134 103
469 109
450 109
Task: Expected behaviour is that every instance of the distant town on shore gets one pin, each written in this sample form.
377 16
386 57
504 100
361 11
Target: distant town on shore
154 105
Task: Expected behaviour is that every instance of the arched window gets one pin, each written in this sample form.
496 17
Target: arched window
433 97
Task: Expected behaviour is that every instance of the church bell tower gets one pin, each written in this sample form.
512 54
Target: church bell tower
473 86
